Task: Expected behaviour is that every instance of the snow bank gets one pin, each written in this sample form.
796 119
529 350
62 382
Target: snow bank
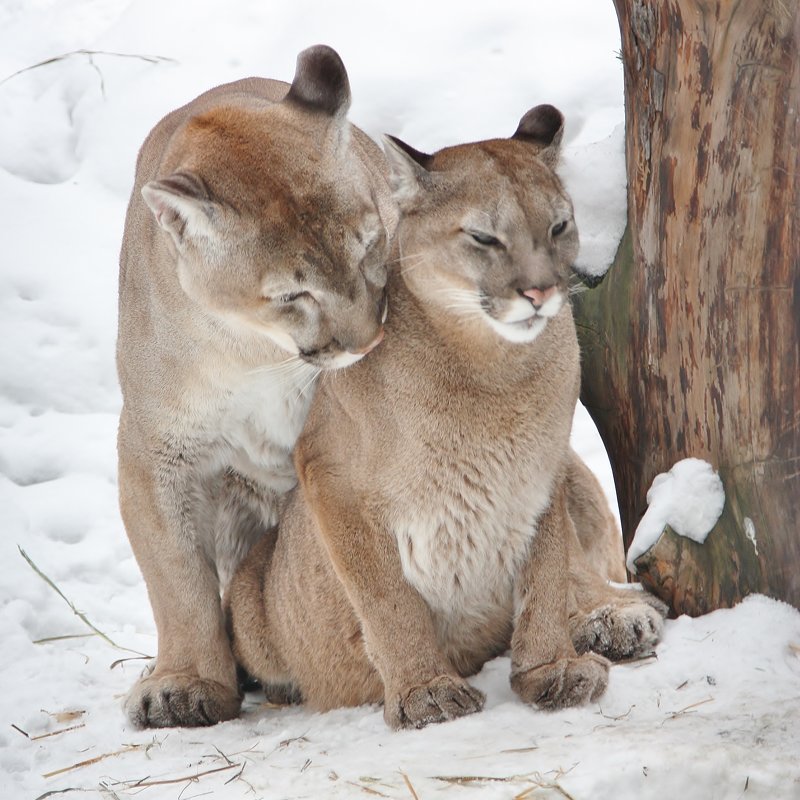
689 498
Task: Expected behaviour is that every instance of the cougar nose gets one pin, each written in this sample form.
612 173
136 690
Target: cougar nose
539 296
371 346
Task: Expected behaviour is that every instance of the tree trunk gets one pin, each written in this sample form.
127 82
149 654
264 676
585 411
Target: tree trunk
690 346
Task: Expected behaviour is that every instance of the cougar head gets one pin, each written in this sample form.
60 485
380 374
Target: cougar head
487 230
274 220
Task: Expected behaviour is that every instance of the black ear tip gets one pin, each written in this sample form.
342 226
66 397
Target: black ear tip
320 58
320 81
541 124
423 159
545 110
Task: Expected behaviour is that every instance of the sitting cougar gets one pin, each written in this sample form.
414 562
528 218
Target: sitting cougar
433 526
253 258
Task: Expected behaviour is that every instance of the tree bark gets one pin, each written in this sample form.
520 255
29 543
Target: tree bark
690 346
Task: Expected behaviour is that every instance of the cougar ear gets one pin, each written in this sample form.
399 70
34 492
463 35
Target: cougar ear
423 159
181 205
320 82
542 126
409 168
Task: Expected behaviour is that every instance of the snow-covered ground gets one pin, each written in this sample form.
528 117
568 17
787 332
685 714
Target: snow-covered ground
716 715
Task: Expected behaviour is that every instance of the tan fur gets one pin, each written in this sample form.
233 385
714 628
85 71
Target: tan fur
431 530
253 257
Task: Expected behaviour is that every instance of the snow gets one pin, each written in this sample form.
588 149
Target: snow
595 174
689 498
715 716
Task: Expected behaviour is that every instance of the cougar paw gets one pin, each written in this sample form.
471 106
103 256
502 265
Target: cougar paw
619 631
441 699
567 682
282 694
166 701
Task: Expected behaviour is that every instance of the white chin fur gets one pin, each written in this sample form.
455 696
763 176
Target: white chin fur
344 360
520 326
520 310
552 306
518 332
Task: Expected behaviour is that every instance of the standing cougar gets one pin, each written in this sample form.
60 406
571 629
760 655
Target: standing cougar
253 258
433 526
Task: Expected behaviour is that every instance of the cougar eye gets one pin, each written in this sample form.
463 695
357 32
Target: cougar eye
486 239
559 228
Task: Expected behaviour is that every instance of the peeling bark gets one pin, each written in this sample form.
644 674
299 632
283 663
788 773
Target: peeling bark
690 347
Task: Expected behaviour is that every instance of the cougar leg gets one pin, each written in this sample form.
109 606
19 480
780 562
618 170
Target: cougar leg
545 669
194 679
420 685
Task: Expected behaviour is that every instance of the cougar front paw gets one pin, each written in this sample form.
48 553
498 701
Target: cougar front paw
567 682
619 631
166 701
439 700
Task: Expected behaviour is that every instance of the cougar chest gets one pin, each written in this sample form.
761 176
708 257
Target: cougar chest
259 420
465 536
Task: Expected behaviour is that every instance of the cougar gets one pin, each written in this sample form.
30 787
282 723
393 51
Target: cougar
253 258
434 525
